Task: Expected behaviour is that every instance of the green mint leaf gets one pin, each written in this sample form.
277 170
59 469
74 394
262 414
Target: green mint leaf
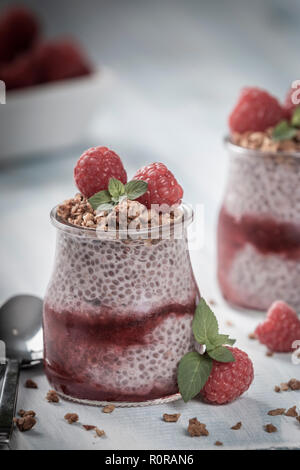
219 340
135 189
295 121
103 197
221 354
116 189
283 131
193 372
106 206
205 325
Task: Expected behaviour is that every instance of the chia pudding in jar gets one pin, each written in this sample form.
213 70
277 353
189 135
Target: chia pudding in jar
118 311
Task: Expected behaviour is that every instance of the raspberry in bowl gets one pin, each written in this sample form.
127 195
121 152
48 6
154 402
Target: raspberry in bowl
259 221
118 309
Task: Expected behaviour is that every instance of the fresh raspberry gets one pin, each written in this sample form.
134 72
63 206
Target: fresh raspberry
162 185
94 169
255 110
19 29
61 59
229 380
292 94
280 328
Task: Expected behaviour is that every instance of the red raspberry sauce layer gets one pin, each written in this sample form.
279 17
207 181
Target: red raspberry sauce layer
85 355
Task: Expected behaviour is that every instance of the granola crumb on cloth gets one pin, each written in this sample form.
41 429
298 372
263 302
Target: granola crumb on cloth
276 412
30 384
237 426
25 424
52 396
196 428
218 443
292 412
99 432
88 427
24 413
294 384
71 417
108 409
270 428
284 387
171 418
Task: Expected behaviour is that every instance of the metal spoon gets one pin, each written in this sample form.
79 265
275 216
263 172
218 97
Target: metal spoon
21 332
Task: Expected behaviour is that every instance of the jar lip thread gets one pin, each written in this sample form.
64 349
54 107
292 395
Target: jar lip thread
188 215
256 152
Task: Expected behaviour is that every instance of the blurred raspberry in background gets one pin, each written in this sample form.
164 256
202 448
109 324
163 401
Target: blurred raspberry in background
26 59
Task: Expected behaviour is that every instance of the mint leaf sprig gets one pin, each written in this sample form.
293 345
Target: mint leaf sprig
194 369
287 130
106 200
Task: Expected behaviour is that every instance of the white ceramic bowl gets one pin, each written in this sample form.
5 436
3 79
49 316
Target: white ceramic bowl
45 117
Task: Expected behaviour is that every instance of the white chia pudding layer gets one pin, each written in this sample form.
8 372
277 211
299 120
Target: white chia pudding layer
264 184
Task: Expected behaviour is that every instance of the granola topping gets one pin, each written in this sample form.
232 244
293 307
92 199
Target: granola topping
125 215
263 141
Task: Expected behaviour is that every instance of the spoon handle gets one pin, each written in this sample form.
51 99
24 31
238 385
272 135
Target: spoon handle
8 399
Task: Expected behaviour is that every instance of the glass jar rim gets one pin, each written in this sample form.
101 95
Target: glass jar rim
184 222
256 152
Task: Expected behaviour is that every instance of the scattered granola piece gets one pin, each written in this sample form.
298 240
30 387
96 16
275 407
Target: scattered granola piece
251 336
52 396
24 413
99 432
277 389
270 428
26 423
212 302
294 384
298 418
30 384
171 418
292 412
228 323
71 417
276 412
218 443
196 428
237 426
88 427
108 409
269 353
284 387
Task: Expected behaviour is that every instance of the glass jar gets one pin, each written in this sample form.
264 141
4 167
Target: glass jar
118 314
259 229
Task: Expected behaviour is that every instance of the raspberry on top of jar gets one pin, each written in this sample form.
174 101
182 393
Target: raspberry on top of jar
260 122
108 202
